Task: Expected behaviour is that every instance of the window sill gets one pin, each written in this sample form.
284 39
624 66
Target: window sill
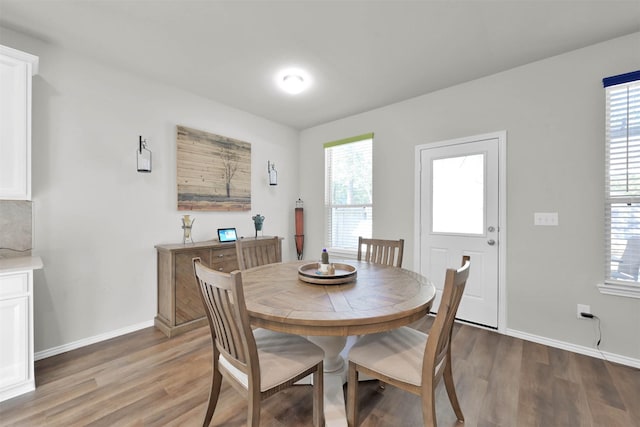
619 289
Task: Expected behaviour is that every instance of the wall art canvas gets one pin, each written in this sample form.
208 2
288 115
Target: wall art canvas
214 172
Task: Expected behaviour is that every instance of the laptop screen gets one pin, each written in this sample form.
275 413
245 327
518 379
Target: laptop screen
227 234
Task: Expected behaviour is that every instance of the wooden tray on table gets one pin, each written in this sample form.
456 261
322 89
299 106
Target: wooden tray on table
344 273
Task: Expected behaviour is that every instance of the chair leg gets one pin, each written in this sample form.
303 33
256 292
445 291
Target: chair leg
429 402
451 389
253 410
318 396
214 393
352 396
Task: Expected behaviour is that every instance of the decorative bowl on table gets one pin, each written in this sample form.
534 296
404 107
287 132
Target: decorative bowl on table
338 274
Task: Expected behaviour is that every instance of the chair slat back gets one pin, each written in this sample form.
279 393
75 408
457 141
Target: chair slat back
440 332
223 299
256 252
381 251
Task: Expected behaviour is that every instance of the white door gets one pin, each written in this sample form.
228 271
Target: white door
459 215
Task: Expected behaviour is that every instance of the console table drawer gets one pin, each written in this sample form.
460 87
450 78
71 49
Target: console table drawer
224 259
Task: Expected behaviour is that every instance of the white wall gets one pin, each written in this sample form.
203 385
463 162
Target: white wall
553 112
97 219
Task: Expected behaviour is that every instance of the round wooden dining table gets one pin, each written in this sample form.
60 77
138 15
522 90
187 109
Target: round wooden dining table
380 298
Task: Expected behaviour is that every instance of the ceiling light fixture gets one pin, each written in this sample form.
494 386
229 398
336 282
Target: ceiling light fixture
293 81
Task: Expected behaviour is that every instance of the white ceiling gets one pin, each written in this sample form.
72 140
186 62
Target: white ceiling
361 54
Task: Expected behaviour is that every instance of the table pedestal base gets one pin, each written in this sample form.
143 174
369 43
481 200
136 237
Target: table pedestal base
335 376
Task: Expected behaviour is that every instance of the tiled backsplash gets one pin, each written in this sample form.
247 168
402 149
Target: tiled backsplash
16 225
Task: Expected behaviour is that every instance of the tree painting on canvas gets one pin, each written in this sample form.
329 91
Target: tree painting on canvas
214 172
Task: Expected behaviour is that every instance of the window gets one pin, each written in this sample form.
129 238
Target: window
458 194
348 192
622 184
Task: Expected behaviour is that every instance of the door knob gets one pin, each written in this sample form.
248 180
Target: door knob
491 242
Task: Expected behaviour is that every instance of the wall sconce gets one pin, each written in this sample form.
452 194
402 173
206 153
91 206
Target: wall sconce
273 173
143 155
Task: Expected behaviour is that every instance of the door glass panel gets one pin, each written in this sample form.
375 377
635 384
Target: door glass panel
458 195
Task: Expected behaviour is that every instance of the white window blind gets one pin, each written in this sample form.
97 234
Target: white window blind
622 182
348 191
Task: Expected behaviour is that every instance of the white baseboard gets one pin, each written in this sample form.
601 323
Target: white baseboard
611 357
91 340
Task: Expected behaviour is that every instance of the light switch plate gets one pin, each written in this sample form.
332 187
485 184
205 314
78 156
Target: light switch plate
545 218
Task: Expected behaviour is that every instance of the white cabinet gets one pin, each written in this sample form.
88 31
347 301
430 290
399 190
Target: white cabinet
16 71
16 325
16 352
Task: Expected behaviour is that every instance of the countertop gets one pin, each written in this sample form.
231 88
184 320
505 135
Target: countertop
10 265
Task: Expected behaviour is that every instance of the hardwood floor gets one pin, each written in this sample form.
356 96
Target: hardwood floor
145 379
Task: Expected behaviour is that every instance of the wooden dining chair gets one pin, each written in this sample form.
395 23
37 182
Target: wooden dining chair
254 252
412 360
257 363
380 251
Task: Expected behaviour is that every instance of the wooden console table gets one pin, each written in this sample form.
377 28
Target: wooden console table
179 306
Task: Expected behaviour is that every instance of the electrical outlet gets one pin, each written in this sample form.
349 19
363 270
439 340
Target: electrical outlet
583 309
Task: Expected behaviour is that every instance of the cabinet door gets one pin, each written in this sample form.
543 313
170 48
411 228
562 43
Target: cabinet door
15 124
14 336
188 302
